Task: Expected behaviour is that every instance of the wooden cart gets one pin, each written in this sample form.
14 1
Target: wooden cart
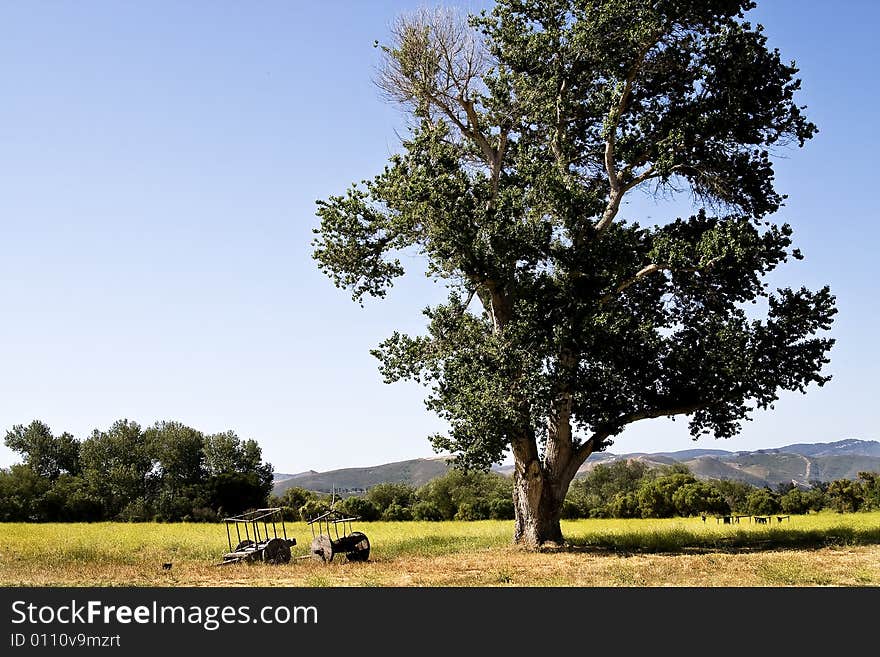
253 539
329 538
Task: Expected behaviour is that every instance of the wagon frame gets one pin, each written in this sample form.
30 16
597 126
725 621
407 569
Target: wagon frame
258 545
327 541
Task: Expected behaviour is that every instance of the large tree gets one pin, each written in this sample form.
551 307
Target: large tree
116 465
47 455
567 320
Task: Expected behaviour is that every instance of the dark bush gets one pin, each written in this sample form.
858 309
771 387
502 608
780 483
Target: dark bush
794 501
385 495
501 509
624 505
472 511
358 507
204 514
762 502
426 511
313 508
571 509
699 498
397 512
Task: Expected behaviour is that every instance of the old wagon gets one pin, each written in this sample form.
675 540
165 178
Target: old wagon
256 537
332 534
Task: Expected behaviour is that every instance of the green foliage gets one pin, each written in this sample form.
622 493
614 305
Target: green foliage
226 453
385 495
47 455
127 473
21 493
870 482
480 494
178 452
472 511
624 505
735 494
313 508
70 499
571 509
116 464
699 498
137 510
794 501
815 498
358 507
425 510
501 508
456 495
762 502
292 500
656 496
294 497
396 511
593 493
844 496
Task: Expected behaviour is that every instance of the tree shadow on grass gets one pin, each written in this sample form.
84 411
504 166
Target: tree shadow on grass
682 541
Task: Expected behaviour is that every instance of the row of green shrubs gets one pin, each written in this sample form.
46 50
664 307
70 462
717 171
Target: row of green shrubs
456 495
627 489
622 489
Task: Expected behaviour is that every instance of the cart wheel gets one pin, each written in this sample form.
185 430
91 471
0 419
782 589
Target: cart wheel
322 548
360 551
245 543
276 551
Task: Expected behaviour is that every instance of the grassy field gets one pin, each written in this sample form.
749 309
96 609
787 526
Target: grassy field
815 550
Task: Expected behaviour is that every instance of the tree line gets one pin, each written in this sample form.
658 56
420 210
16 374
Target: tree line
630 489
457 495
172 472
166 472
622 489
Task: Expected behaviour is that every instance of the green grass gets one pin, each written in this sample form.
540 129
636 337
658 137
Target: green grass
792 573
59 544
469 553
676 534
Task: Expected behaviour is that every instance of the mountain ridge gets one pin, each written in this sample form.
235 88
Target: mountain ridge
798 463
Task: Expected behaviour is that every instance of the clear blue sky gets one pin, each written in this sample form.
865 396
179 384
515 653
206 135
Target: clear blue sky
159 164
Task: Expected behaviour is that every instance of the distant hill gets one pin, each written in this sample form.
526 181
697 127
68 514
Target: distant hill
711 467
848 447
415 472
797 463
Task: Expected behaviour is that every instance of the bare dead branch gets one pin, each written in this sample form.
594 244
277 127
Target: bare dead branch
436 63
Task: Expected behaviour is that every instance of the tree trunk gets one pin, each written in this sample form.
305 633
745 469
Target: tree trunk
537 502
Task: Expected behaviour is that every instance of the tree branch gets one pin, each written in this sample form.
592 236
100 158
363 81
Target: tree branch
589 446
614 116
644 271
647 174
556 144
476 134
651 269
